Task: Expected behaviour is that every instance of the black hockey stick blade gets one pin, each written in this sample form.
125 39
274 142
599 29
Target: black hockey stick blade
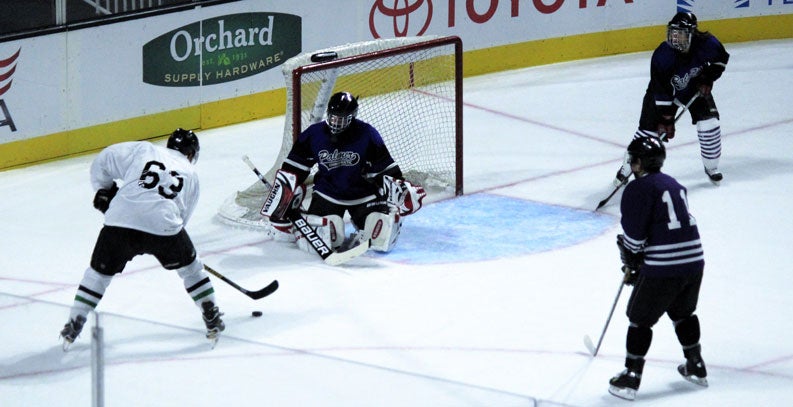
605 201
258 294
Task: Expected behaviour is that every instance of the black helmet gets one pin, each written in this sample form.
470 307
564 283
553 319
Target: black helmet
342 108
650 150
680 29
185 142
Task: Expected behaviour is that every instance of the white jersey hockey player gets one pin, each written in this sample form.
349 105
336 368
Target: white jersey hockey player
148 194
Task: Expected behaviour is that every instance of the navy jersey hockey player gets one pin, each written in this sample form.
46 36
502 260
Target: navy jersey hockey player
355 175
663 258
682 68
145 213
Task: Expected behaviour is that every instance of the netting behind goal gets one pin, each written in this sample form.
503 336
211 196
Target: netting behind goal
409 89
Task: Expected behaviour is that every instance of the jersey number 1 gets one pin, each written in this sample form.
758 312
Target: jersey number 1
674 223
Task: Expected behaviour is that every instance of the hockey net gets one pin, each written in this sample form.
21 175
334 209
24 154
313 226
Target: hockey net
409 89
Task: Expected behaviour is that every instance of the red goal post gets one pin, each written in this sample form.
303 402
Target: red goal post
409 89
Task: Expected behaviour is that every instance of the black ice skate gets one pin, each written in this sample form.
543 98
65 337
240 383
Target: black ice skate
625 384
714 175
71 331
694 371
214 324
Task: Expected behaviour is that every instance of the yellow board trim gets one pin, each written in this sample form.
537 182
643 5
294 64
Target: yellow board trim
477 62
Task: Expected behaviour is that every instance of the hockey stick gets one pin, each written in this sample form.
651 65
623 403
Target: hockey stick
593 350
663 138
330 256
269 289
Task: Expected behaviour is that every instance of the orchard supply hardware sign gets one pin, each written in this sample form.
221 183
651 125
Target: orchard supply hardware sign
221 49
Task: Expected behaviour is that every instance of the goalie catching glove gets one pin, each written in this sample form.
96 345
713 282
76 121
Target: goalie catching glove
402 195
631 262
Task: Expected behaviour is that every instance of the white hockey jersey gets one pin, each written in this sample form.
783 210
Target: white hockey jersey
158 187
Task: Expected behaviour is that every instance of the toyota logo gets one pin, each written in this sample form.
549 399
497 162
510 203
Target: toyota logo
7 68
399 17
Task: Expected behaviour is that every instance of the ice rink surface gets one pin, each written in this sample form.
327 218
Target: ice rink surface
485 301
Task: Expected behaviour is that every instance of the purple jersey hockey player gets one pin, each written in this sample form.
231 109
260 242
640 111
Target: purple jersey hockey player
355 175
662 257
683 69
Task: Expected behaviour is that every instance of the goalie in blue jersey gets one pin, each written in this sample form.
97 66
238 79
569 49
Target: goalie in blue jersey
356 175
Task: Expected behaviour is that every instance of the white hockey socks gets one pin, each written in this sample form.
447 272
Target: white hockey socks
89 293
709 134
197 283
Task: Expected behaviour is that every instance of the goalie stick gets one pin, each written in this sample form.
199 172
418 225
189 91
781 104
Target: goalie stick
330 256
269 289
663 138
593 350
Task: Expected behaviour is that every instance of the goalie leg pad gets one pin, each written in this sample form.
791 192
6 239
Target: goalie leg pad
382 230
329 228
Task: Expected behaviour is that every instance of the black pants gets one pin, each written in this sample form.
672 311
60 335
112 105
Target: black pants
652 297
358 213
702 109
116 246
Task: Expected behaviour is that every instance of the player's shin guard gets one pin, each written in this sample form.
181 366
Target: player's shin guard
687 331
709 134
197 283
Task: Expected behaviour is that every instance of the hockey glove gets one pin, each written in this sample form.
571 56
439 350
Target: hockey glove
103 197
666 127
630 276
705 86
402 195
629 259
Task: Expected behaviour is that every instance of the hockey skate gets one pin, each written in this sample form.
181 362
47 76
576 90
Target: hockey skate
694 371
625 384
71 331
215 325
714 175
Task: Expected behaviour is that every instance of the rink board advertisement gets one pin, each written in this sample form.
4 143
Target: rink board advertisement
80 90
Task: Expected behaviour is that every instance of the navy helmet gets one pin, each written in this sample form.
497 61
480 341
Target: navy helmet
185 142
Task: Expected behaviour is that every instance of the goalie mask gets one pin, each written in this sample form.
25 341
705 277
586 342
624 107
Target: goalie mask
185 142
342 108
680 30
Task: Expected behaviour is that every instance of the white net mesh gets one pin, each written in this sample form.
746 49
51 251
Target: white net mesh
407 88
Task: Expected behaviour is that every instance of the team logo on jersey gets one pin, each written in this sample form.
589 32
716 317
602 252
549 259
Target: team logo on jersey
336 159
681 82
221 49
7 68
